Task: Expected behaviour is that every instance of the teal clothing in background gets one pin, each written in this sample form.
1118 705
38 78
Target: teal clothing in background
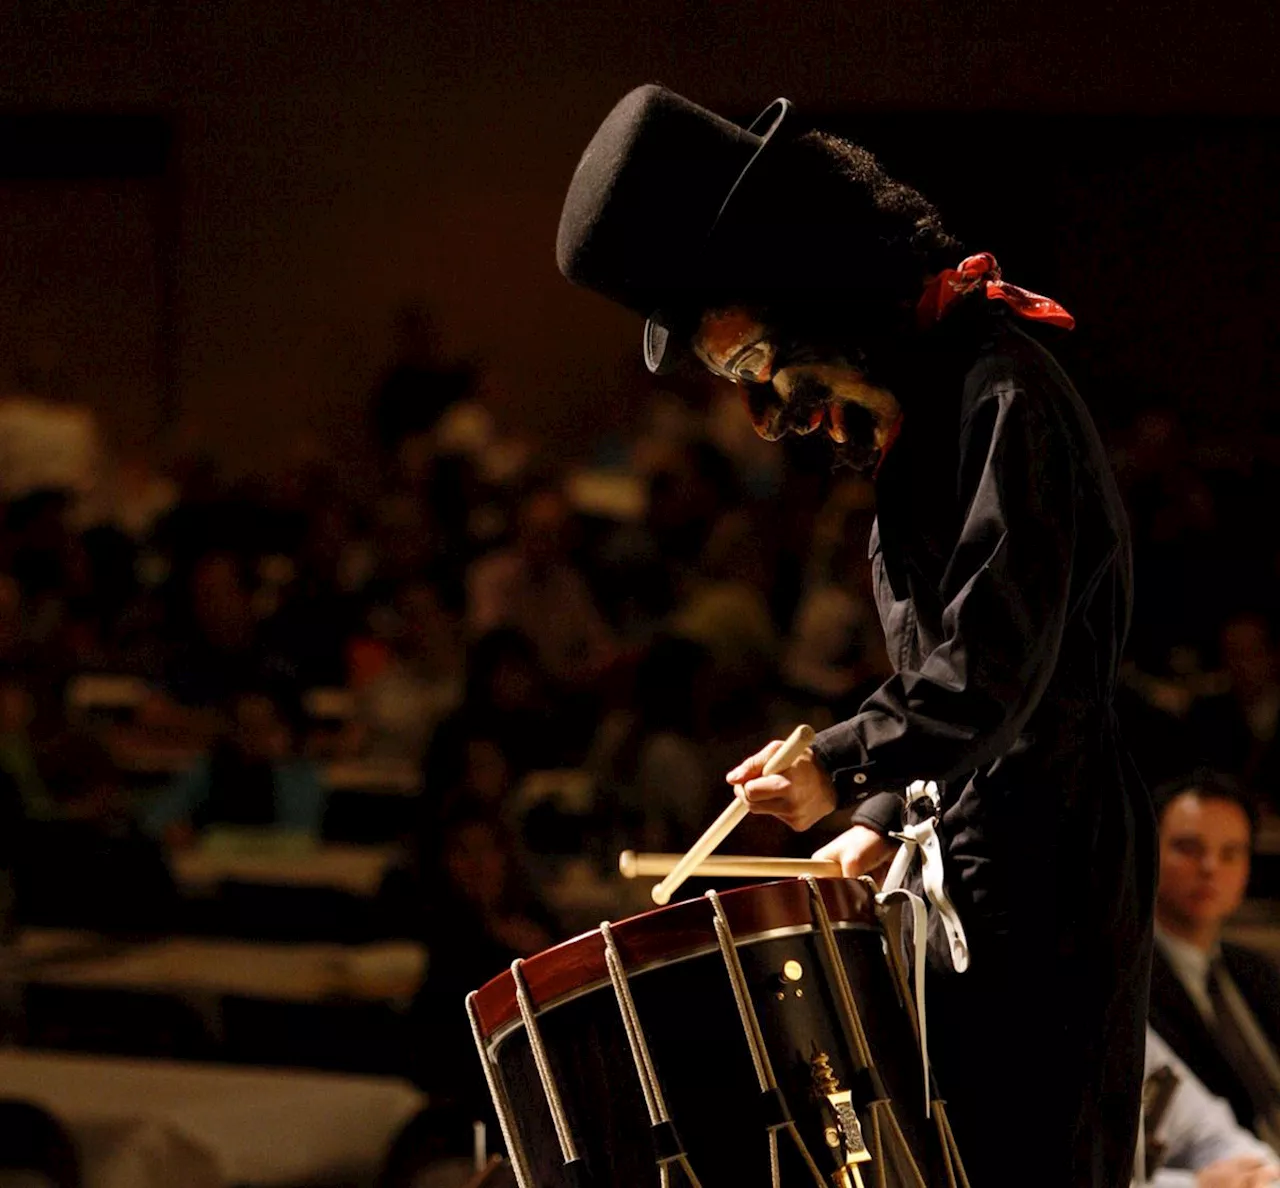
298 795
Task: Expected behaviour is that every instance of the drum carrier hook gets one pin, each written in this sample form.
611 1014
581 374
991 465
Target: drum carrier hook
886 1133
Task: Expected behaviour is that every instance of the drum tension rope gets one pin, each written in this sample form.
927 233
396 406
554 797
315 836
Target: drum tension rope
665 1139
574 1167
506 1117
884 1123
774 1107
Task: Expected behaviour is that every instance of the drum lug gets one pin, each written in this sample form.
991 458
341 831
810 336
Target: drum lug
844 1134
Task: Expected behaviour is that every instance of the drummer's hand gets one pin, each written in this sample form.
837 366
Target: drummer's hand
801 796
1244 1171
860 850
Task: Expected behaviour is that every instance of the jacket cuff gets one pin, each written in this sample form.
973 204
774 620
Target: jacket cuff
851 772
881 811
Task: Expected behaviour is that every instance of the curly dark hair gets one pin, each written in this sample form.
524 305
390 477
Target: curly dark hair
823 220
829 250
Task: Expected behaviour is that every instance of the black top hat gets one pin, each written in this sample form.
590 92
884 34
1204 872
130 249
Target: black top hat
651 188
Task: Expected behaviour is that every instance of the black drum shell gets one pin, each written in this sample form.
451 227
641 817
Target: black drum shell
695 1035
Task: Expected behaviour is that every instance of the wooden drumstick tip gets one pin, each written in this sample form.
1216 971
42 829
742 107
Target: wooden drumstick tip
627 864
732 816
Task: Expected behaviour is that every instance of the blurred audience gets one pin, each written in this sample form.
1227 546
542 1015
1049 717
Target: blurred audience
535 588
254 777
470 899
568 657
1238 730
90 866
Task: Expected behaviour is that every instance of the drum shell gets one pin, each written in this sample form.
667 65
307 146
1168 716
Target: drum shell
695 1035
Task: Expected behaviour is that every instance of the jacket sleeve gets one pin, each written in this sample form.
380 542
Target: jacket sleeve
881 811
1005 591
1198 1129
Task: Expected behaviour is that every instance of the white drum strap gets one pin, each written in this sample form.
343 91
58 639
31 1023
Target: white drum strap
506 1119
899 898
668 1145
559 1119
779 1118
922 838
889 902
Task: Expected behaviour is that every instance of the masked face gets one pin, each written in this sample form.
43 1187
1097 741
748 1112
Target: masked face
789 387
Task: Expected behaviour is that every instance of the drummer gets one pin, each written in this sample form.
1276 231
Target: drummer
791 264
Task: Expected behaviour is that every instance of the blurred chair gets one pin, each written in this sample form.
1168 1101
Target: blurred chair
35 1150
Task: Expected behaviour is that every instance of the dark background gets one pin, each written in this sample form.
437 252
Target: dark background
305 169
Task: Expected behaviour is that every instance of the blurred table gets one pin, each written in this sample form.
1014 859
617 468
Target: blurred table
374 776
157 1124
386 972
355 870
344 1007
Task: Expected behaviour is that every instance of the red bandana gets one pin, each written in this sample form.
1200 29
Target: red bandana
982 271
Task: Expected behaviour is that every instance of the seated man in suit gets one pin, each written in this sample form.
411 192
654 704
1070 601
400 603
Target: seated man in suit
1217 1004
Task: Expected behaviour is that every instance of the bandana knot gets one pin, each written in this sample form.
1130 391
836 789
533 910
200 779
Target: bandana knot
982 272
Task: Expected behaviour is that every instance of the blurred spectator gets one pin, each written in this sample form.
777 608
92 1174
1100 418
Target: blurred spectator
138 497
12 629
726 606
1216 1004
305 636
535 588
46 559
18 759
254 777
418 387
477 912
422 681
1238 731
835 655
689 490
91 867
507 725
649 758
1178 545
215 650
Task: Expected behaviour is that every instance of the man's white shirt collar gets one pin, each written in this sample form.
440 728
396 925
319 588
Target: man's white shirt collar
1190 965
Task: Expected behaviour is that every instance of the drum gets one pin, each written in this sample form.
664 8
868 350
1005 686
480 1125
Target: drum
759 1037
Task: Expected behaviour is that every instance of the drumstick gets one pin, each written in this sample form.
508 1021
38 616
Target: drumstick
731 818
727 866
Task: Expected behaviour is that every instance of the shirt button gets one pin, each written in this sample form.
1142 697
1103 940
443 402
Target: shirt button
860 777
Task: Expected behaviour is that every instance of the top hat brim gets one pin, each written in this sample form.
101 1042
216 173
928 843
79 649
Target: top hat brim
663 342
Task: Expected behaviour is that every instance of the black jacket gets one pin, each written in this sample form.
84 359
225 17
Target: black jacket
1001 561
1176 1019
